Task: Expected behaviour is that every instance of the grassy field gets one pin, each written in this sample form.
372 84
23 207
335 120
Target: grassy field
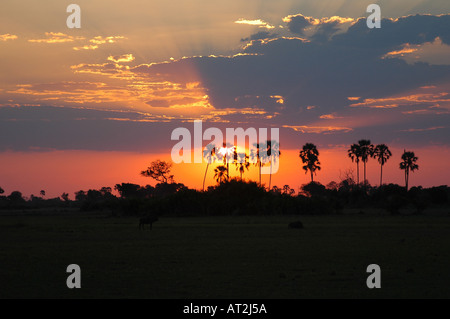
225 257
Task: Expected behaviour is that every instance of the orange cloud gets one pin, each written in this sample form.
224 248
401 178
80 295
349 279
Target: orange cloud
97 41
330 117
121 58
279 98
319 129
259 23
86 47
103 40
413 99
56 37
7 36
407 48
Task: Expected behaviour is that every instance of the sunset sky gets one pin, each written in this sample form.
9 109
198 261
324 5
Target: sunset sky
92 107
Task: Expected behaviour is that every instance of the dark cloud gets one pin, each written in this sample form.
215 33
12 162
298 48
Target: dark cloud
321 72
35 128
285 82
261 35
298 23
417 29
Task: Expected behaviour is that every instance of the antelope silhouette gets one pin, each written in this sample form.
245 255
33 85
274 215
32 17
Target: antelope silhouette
149 220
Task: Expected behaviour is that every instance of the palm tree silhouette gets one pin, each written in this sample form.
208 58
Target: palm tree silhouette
409 164
255 155
271 155
209 153
227 152
382 153
366 152
221 174
310 157
355 154
243 163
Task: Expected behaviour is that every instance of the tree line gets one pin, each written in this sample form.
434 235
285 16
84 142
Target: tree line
268 153
240 196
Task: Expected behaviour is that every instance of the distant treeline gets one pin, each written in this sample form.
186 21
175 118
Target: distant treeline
237 197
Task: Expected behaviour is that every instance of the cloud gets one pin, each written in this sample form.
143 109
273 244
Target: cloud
344 76
260 36
330 117
56 37
435 52
322 28
7 36
102 40
319 129
329 79
65 128
425 129
409 100
121 58
86 47
259 23
394 33
94 43
298 23
97 41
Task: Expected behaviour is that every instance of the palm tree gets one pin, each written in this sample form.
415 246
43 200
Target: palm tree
255 155
366 152
382 153
355 154
273 153
243 163
209 154
409 164
221 174
227 152
310 157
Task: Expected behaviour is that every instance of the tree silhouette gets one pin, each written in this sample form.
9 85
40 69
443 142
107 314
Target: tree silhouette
80 196
42 192
366 152
382 153
287 190
16 197
209 153
355 154
1 191
272 154
255 156
226 153
310 157
409 163
221 174
65 197
243 163
159 171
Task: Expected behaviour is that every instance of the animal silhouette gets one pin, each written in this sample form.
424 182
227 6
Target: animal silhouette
149 220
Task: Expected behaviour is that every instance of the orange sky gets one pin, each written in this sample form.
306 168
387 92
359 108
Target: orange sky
77 105
70 171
